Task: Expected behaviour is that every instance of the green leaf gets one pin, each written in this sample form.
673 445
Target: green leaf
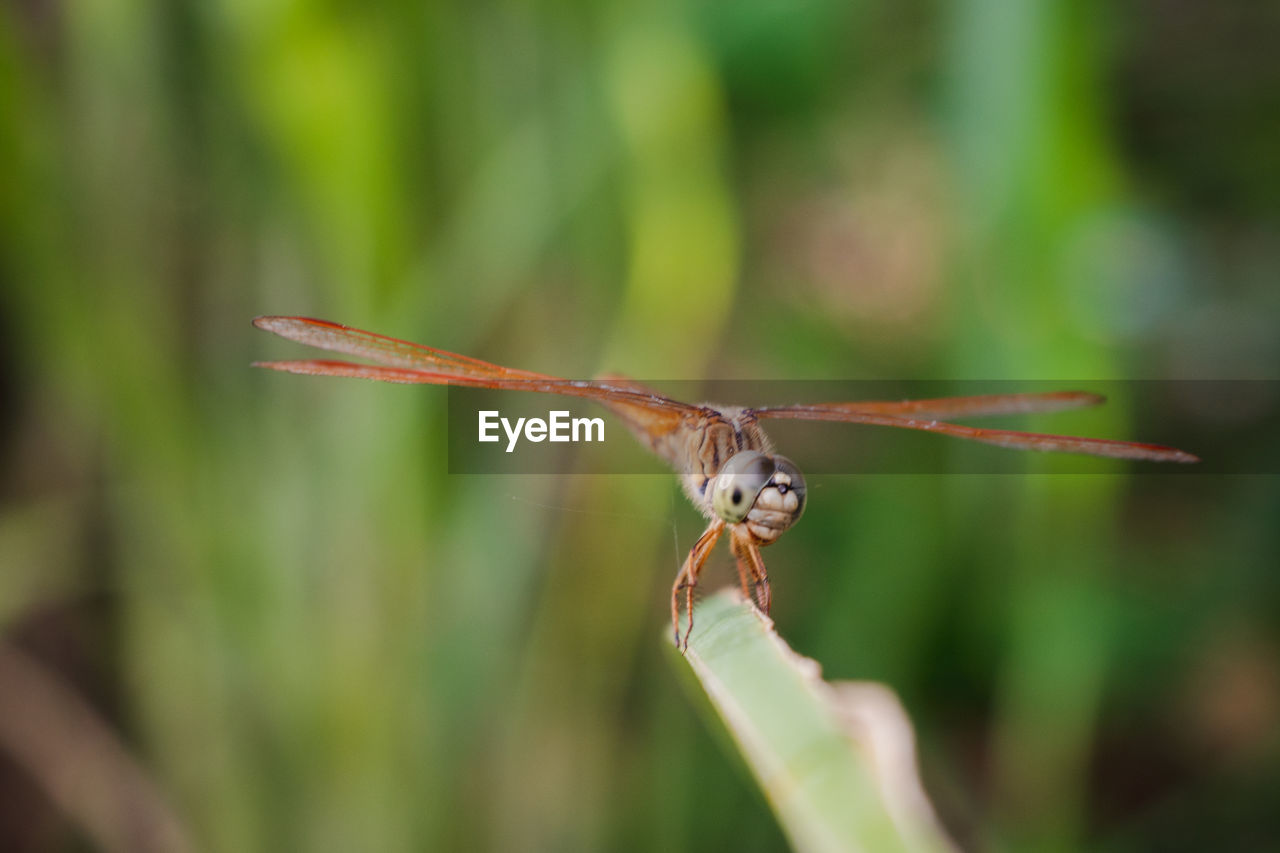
836 761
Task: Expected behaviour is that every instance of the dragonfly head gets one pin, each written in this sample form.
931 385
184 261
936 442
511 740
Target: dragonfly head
764 492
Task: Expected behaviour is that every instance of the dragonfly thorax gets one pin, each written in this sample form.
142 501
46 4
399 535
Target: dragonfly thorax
723 452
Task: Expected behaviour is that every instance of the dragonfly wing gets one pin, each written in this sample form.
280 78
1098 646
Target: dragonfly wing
649 415
999 437
617 380
384 350
598 391
956 407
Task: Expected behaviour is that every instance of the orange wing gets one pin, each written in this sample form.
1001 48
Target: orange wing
920 414
958 407
390 351
657 415
417 364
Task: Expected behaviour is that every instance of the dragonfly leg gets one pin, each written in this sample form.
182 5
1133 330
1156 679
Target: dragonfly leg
745 576
750 561
687 579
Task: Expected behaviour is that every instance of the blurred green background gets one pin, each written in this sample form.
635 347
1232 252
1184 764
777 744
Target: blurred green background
308 636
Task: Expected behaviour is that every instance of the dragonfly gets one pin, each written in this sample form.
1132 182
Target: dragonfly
727 465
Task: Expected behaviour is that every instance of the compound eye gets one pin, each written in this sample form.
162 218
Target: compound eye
738 483
788 478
